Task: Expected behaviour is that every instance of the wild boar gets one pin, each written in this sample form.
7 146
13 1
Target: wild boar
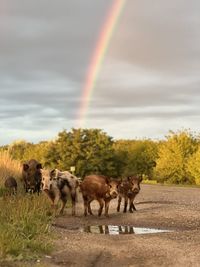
11 185
31 176
100 188
58 185
128 189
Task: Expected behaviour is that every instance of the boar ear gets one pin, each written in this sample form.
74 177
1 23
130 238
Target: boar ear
140 178
53 173
107 179
39 166
119 181
25 167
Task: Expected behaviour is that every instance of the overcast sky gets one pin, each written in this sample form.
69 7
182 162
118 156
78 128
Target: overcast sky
149 80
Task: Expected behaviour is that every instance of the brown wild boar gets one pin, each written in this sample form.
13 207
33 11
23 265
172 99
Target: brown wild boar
128 189
58 185
100 188
31 176
11 185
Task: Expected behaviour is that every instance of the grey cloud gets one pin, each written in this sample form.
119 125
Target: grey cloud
52 36
149 80
159 35
135 113
57 99
125 85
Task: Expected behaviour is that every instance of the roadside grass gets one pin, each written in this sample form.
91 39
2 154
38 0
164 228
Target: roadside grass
146 181
25 220
181 185
154 182
24 227
9 167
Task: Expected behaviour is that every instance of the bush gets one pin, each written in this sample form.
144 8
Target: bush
24 219
174 153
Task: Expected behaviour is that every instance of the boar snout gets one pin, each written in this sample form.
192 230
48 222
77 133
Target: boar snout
114 194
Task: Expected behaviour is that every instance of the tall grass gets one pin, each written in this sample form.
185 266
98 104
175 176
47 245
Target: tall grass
9 167
146 181
24 226
24 219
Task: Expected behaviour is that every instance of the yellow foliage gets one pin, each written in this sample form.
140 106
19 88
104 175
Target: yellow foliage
149 181
8 167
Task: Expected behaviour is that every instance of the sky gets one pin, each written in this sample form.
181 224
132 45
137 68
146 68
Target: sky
148 82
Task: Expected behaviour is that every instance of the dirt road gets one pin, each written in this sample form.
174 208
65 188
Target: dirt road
172 208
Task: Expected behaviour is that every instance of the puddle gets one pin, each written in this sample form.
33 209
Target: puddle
121 230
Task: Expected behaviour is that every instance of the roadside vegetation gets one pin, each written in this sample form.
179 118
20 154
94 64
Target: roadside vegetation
24 219
8 167
174 160
24 227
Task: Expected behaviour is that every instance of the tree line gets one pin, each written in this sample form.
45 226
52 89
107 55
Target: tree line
176 159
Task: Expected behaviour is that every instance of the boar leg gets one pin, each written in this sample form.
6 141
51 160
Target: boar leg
131 205
101 204
73 197
55 202
107 202
85 200
125 203
89 208
119 203
64 201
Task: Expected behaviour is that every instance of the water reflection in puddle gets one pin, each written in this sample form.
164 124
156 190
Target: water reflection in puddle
120 230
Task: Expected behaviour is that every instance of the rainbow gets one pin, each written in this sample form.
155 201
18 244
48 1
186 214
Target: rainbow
98 56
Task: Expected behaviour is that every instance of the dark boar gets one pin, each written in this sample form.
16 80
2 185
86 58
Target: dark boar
100 188
11 185
31 176
128 189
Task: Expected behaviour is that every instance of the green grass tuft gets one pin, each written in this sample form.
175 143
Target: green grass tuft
146 181
24 227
